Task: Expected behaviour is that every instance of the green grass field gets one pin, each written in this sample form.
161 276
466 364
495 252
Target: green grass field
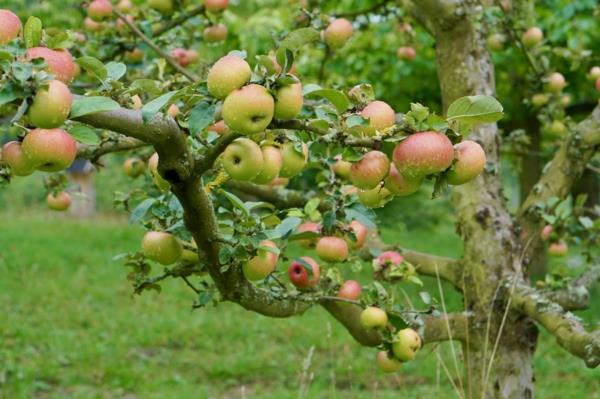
70 328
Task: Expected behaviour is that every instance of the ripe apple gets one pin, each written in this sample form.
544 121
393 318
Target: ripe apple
594 73
288 101
539 99
125 6
261 265
134 56
406 53
372 168
597 85
422 154
374 198
133 167
10 26
162 6
351 289
495 42
400 185
180 55
546 232
559 248
387 259
12 155
219 127
59 202
337 33
229 73
299 276
406 344
373 317
341 168
99 10
243 159
360 234
556 82
309 227
272 162
470 162
192 56
173 111
248 110
60 62
556 128
332 249
215 33
92 26
161 247
51 105
216 5
159 181
49 150
532 36
293 161
387 363
380 115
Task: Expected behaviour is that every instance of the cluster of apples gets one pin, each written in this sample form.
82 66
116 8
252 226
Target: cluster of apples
557 247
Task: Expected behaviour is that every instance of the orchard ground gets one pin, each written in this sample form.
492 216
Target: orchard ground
70 327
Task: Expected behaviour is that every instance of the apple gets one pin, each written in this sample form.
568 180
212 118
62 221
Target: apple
400 185
243 159
556 128
121 25
272 162
180 56
360 234
539 99
299 276
261 265
51 105
372 168
387 259
293 161
12 155
92 26
566 100
406 53
10 26
470 162
125 6
288 101
597 85
60 62
229 73
373 317
136 102
293 70
309 227
159 181
134 56
220 127
49 150
215 33
248 110
133 167
380 115
532 36
387 363
162 6
99 10
546 232
495 42
216 5
594 73
351 290
192 56
332 249
422 154
161 247
374 198
279 182
173 111
556 82
559 248
341 168
406 344
189 256
59 202
337 33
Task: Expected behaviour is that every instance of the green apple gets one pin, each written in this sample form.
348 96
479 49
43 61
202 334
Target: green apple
248 110
373 317
288 101
380 115
49 150
272 162
161 247
162 6
293 160
51 105
406 344
261 265
556 82
12 155
387 363
372 168
159 181
332 249
133 167
532 36
215 33
495 42
243 159
341 168
539 99
400 185
229 73
375 198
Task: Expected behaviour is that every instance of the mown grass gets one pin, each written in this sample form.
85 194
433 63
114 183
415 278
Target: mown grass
70 328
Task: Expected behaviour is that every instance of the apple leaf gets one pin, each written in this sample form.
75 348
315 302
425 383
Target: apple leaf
336 97
286 227
32 32
141 210
305 235
397 321
91 105
153 107
294 41
236 202
473 110
93 66
84 134
115 70
201 116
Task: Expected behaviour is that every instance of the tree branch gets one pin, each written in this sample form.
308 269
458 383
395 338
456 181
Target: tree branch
174 22
93 152
566 327
576 296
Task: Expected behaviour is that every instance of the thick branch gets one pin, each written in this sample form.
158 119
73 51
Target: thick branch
576 296
96 151
567 328
213 153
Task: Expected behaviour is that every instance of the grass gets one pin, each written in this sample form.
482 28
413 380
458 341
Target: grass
70 328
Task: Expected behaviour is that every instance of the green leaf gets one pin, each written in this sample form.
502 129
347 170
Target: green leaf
475 109
294 41
201 116
286 227
84 134
7 94
153 107
238 203
62 40
336 97
115 70
397 321
32 32
93 66
91 105
141 210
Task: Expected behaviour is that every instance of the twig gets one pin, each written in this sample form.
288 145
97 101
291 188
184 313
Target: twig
178 21
368 10
190 284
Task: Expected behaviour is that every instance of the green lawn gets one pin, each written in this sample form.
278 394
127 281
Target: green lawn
70 328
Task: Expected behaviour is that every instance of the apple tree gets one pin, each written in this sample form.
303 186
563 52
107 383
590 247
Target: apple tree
243 155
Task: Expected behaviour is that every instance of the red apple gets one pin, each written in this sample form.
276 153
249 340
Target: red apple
59 202
10 26
309 227
546 232
49 150
299 276
380 115
216 5
386 259
133 167
215 33
370 170
180 55
406 53
351 289
332 249
400 185
337 33
360 234
219 127
423 154
60 62
99 10
387 363
470 162
51 105
134 56
559 248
